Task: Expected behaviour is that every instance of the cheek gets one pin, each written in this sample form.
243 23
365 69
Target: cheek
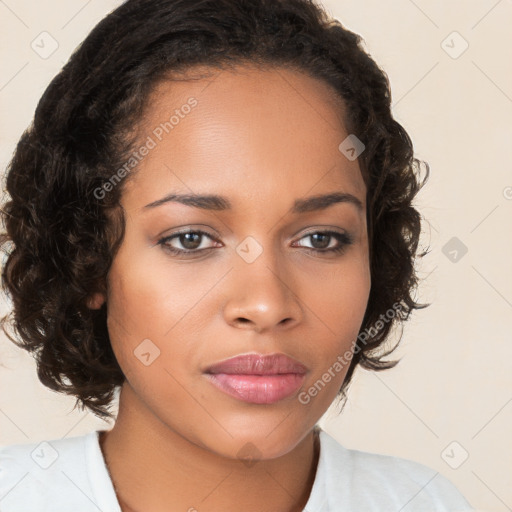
156 308
339 302
148 295
339 298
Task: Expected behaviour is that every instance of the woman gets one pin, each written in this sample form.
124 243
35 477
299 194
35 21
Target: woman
212 214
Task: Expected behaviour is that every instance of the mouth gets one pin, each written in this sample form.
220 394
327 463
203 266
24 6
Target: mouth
258 379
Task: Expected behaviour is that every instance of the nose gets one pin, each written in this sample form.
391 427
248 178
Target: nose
261 296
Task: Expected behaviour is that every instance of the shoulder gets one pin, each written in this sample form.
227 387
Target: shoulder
383 482
47 475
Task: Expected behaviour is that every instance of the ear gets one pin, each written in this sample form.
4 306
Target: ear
95 301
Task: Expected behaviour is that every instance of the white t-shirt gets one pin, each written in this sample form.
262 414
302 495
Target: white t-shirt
70 475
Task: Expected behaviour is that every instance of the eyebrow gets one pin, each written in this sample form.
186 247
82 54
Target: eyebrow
216 202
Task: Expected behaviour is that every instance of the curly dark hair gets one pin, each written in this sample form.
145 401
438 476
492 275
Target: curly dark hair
61 236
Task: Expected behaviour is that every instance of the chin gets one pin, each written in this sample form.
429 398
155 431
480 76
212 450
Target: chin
257 441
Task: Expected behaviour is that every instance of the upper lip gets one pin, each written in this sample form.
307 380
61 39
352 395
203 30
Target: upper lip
258 364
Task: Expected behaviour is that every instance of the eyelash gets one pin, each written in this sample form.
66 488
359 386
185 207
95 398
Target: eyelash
344 240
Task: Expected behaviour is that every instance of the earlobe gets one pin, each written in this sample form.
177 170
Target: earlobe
96 300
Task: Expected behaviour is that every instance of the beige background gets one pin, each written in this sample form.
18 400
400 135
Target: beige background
454 383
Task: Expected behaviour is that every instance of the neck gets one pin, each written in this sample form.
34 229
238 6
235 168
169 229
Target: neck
153 467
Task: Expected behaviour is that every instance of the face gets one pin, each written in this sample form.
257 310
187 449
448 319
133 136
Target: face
261 272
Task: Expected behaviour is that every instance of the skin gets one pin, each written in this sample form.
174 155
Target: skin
261 137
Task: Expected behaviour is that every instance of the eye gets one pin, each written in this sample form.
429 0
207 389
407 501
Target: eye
322 241
190 241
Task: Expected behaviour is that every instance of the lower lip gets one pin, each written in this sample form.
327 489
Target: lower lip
258 389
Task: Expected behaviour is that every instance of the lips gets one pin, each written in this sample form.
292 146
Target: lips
258 379
256 364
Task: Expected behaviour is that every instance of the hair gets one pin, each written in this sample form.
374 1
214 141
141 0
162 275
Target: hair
61 237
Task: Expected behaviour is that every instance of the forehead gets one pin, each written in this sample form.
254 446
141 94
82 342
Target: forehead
251 130
249 81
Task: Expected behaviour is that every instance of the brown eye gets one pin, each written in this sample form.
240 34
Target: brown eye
190 242
321 241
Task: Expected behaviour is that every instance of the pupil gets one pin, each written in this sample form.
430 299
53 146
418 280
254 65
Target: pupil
188 242
323 237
